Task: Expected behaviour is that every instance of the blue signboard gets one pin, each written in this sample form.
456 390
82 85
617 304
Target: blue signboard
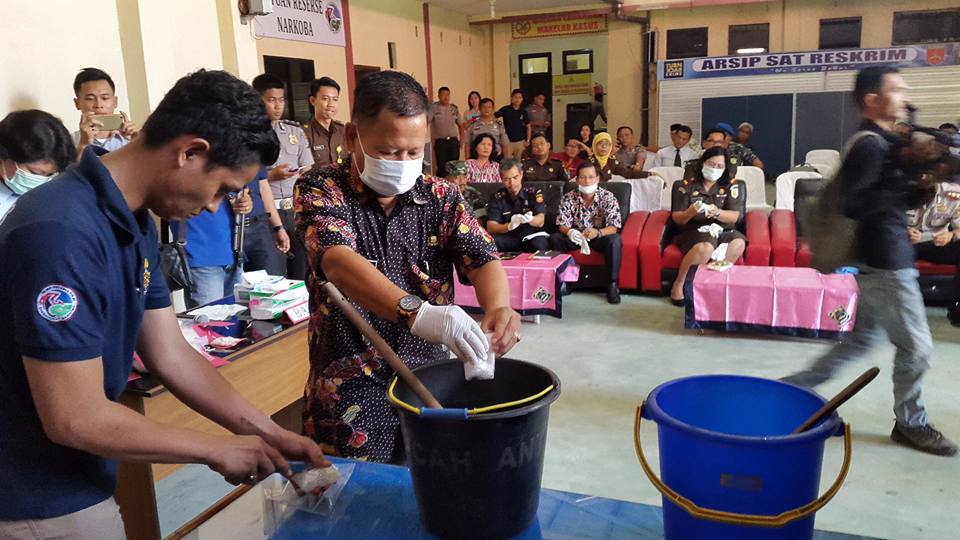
933 54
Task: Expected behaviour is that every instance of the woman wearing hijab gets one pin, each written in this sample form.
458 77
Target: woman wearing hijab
34 147
607 164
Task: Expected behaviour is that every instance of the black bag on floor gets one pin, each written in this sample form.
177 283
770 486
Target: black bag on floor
173 258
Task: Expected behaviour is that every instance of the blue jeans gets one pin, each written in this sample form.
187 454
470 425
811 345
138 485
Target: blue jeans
212 283
890 305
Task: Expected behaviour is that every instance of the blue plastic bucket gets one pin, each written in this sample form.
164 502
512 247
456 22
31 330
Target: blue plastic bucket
729 464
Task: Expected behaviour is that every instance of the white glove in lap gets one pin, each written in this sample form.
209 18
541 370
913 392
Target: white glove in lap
515 221
451 326
575 236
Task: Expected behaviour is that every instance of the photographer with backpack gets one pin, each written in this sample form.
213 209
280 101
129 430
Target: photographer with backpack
877 183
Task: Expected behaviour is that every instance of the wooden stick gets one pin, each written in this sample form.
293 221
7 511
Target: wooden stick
411 380
839 399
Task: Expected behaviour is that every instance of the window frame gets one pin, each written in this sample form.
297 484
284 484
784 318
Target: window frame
706 42
732 50
577 52
955 12
858 19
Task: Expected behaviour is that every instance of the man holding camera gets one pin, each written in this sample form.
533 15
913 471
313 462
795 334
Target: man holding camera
878 187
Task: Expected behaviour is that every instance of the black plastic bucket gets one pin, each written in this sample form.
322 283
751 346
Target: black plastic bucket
476 473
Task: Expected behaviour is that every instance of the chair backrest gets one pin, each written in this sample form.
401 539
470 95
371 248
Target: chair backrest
785 185
822 156
650 162
756 188
670 175
620 190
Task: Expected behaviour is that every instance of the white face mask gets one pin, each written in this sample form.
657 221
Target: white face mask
389 177
712 174
588 190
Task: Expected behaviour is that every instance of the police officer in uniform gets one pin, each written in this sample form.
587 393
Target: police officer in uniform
486 123
935 233
324 134
540 118
706 209
444 118
541 167
516 213
295 158
737 153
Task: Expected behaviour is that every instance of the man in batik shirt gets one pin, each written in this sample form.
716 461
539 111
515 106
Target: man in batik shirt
389 239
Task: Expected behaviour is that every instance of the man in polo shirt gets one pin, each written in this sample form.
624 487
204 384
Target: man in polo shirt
80 291
517 124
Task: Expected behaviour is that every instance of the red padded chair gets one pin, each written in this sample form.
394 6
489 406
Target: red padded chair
936 280
660 254
593 272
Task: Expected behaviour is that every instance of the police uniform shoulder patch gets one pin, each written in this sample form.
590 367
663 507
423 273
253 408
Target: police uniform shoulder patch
539 197
735 191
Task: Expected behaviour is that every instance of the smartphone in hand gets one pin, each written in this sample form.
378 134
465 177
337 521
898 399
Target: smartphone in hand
108 122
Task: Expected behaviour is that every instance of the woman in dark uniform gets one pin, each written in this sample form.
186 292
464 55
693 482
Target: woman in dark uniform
706 209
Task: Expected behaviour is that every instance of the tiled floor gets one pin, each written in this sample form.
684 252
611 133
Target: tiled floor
610 357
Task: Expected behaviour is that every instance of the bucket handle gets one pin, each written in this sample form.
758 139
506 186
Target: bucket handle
732 518
460 413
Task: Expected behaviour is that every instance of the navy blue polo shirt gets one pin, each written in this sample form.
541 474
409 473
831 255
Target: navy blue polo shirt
77 271
254 186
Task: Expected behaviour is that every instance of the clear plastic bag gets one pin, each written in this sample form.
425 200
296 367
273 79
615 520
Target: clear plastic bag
280 499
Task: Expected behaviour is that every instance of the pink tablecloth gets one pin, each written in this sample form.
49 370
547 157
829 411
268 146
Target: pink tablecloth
533 285
786 301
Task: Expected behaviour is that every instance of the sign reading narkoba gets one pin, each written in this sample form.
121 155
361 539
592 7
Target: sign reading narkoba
559 26
907 56
566 85
315 21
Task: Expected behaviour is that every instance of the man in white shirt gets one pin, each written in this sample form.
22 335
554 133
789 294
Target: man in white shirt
679 152
96 95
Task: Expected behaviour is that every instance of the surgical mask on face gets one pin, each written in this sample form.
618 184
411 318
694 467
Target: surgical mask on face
389 177
588 190
23 181
712 174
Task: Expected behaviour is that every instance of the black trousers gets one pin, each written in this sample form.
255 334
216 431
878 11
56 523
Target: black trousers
445 150
260 249
611 246
295 261
513 240
948 254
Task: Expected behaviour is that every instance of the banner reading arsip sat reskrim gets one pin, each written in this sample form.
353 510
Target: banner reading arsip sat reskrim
906 56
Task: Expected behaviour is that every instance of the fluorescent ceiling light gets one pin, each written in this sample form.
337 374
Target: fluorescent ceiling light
755 50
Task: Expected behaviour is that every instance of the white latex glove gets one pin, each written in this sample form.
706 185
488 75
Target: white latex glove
720 253
515 221
528 217
713 229
451 326
576 236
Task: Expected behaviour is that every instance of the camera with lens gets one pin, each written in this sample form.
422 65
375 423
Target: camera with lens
939 164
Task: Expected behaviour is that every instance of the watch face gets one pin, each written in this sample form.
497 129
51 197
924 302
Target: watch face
410 303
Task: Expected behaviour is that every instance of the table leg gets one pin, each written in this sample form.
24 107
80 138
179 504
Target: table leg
135 494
